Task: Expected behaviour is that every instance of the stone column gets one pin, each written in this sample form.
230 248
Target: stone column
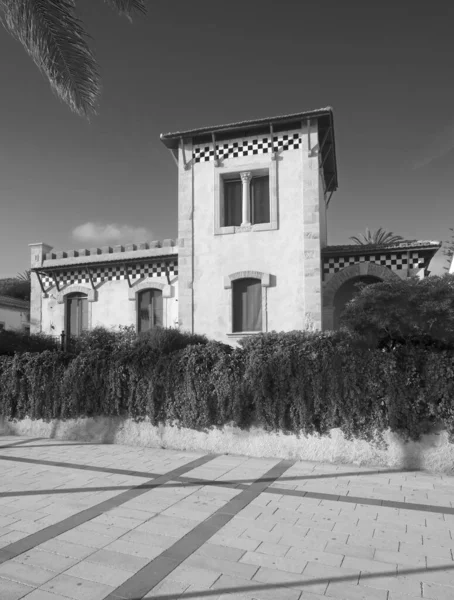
246 180
38 252
185 239
312 232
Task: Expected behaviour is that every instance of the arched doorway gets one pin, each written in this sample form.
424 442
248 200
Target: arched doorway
347 291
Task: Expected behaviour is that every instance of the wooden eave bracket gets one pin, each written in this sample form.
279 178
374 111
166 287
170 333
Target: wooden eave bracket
274 153
38 274
90 277
127 275
216 158
186 164
166 267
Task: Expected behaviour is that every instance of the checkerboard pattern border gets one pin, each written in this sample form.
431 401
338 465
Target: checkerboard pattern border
248 147
394 261
112 272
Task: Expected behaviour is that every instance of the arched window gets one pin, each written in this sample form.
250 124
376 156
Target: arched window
149 309
247 305
76 320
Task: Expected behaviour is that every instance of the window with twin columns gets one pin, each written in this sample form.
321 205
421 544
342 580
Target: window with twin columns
246 199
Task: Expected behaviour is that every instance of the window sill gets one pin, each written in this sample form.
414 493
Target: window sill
245 228
243 334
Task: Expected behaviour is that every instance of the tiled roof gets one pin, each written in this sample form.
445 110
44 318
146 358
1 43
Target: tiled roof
8 302
366 248
167 138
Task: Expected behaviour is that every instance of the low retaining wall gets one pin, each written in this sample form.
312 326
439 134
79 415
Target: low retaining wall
433 453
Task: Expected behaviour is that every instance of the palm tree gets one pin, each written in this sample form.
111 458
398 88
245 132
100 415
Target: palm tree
56 40
25 276
379 237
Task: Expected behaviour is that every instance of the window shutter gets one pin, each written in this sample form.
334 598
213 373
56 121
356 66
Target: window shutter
260 198
83 314
247 305
233 191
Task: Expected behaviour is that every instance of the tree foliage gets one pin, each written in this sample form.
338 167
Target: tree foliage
397 311
378 237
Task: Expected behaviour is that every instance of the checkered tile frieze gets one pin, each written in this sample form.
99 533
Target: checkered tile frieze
395 262
249 147
111 273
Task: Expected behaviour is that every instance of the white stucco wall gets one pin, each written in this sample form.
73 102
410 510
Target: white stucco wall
290 253
111 308
13 318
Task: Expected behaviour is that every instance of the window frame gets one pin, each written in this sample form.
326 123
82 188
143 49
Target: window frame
265 166
138 297
265 280
150 283
68 297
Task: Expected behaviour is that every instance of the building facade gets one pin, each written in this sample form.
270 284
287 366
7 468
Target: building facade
14 314
252 253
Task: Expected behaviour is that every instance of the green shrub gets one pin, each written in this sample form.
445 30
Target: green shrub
12 341
296 382
404 311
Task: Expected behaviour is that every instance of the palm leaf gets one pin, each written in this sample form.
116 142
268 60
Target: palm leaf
127 7
25 276
55 39
379 237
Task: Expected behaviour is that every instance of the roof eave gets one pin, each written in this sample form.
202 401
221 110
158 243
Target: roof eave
172 140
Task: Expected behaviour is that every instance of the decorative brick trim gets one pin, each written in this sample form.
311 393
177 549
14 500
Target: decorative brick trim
92 295
358 270
149 283
265 278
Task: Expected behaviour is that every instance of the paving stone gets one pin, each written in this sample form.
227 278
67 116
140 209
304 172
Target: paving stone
402 584
132 549
27 574
347 591
99 573
254 589
115 560
218 551
13 590
46 560
434 591
78 589
325 558
236 569
57 546
169 587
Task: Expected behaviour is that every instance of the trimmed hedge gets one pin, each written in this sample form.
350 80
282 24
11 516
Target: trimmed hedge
12 341
297 382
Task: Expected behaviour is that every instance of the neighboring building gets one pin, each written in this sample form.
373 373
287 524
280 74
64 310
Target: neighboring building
14 314
252 251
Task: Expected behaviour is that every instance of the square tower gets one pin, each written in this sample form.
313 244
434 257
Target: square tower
252 200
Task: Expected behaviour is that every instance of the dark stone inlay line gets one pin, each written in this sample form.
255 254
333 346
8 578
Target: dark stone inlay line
35 539
65 465
236 484
159 568
448 510
21 442
146 474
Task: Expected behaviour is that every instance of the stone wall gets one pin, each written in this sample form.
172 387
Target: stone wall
433 453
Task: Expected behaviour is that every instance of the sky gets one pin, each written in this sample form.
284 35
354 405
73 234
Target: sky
385 69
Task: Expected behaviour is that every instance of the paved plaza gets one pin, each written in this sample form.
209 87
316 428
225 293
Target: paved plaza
93 522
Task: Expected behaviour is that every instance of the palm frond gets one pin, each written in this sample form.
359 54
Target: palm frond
379 237
56 41
127 7
25 276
